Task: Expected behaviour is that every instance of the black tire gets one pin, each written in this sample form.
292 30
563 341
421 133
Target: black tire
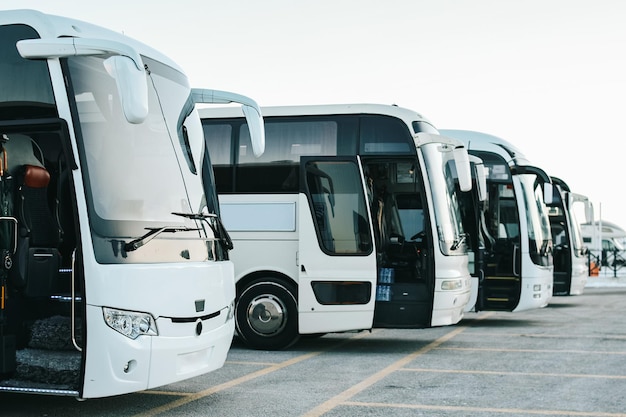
267 315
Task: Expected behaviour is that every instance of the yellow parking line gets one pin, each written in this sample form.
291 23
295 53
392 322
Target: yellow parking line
196 396
355 389
190 397
171 393
513 411
583 352
463 371
546 336
250 363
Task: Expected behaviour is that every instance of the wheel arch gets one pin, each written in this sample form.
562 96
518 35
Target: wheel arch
267 275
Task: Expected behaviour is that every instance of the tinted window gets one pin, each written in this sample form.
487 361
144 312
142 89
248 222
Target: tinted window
496 167
219 141
385 135
288 141
25 87
338 206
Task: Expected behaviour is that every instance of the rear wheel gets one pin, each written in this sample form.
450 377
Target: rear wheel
267 315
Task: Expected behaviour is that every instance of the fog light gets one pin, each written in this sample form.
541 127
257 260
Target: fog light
454 284
537 287
130 365
536 295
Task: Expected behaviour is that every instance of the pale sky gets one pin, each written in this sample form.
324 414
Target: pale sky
546 75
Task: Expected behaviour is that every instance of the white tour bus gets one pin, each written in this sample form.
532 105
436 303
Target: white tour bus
571 265
349 220
115 274
513 267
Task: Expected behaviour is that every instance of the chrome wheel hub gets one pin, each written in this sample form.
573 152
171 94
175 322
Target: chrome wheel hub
267 315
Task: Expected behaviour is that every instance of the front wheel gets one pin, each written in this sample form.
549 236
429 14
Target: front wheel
267 315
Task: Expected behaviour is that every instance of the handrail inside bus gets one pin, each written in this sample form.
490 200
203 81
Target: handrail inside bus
73 303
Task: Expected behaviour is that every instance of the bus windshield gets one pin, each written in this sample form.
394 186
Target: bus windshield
538 222
114 152
445 202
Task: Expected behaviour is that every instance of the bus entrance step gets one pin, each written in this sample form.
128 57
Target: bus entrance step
49 367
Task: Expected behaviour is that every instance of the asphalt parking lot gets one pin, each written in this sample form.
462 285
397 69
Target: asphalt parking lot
568 359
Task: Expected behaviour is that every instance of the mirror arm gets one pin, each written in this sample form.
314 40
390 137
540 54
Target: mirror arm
251 111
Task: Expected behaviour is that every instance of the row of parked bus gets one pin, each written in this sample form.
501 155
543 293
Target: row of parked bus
361 216
140 229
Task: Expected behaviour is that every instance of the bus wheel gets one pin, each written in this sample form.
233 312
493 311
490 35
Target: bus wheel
267 315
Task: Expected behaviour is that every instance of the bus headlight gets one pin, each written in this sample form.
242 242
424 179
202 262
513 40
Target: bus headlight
537 287
131 324
452 284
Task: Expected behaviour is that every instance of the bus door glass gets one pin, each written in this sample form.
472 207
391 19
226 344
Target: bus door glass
574 223
537 220
560 230
337 263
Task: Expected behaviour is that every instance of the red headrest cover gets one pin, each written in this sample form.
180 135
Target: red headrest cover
36 177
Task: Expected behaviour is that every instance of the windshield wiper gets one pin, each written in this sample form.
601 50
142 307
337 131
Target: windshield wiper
152 233
196 216
457 242
218 229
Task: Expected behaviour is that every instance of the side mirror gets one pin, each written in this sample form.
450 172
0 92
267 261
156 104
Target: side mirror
463 170
588 212
251 111
125 66
587 204
481 177
256 127
132 87
548 193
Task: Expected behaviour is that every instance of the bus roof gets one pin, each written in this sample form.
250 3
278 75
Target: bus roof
485 142
52 26
408 116
609 229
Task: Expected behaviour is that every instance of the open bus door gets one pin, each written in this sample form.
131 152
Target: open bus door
473 206
561 234
336 256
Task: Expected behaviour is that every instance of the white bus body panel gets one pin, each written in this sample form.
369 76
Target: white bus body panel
536 287
315 265
262 241
266 230
115 364
53 26
471 304
450 305
580 275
